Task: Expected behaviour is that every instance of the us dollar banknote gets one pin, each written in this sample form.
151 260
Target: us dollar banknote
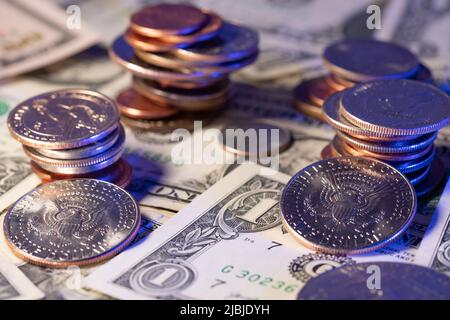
421 26
14 285
435 250
36 34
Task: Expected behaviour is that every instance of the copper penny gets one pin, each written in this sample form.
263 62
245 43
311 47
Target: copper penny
134 105
319 90
167 19
144 43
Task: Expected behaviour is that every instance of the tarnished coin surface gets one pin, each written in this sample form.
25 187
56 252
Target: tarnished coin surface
63 119
167 19
231 43
71 222
347 205
367 59
399 281
397 107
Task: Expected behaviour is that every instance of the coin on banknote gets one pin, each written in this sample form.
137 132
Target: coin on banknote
167 19
232 43
63 119
396 107
347 205
254 138
367 59
71 222
396 281
134 105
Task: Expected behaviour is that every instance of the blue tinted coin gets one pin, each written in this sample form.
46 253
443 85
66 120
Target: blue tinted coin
367 59
378 281
397 107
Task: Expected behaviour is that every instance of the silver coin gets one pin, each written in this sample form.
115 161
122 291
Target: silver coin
347 205
397 107
254 138
418 176
232 43
85 163
63 119
71 222
414 165
87 151
397 281
390 146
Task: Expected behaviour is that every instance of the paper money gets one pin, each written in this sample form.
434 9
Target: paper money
14 285
212 249
420 25
35 34
435 249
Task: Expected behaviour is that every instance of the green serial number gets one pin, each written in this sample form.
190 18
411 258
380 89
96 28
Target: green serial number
259 279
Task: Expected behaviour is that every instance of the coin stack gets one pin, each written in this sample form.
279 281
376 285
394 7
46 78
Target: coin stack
72 133
181 58
395 121
351 61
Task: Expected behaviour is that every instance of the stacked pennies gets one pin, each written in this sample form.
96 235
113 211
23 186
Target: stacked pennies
181 58
352 61
72 133
395 121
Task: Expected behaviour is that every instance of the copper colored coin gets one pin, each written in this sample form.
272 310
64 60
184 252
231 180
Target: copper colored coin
304 104
119 173
134 105
167 19
342 81
141 42
344 147
191 84
328 152
319 90
335 85
212 26
181 120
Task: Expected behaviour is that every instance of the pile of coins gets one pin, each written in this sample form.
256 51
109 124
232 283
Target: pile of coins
72 133
395 121
181 58
71 222
347 205
352 61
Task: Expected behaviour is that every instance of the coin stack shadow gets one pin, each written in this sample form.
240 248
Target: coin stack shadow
390 121
351 61
73 133
181 58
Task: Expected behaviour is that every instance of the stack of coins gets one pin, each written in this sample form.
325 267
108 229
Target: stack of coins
352 61
181 58
395 121
72 133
